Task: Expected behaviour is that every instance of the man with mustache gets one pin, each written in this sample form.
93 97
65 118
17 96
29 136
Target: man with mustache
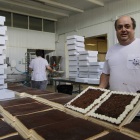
122 65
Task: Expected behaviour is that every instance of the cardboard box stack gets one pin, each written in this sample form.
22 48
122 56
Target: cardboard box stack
3 38
75 44
95 70
85 58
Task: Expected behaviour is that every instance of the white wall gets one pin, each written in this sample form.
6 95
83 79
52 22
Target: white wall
19 40
96 22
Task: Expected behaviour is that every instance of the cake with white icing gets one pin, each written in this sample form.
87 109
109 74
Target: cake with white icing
115 107
87 99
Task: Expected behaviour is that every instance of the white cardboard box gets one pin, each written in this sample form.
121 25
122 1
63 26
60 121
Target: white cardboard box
96 63
73 57
3 76
78 44
73 62
1 71
1 81
83 63
83 75
84 80
73 47
89 53
4 66
96 66
3 39
94 70
2 57
73 52
85 57
94 81
73 41
3 30
2 48
6 94
2 20
3 86
84 68
76 37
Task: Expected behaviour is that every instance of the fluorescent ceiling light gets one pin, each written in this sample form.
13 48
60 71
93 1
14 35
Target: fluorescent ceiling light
96 2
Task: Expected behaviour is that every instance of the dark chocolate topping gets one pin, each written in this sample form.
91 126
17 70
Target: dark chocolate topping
114 105
1 116
5 129
27 108
55 95
64 100
135 126
87 98
37 92
18 88
43 118
16 102
115 136
72 129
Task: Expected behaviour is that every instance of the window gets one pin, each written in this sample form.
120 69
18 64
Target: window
48 26
35 23
20 21
7 16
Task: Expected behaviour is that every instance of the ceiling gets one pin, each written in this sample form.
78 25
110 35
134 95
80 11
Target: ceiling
51 9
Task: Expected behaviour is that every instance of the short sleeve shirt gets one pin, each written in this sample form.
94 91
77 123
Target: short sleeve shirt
39 69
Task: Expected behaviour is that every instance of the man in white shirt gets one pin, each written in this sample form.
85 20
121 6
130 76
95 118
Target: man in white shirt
38 67
122 65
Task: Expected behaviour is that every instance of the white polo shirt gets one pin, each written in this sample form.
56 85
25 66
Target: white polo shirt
123 65
39 72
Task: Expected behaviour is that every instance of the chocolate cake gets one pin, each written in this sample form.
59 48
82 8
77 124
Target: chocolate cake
132 129
63 101
37 92
115 136
42 118
87 99
6 129
16 102
115 107
134 126
72 129
18 88
16 137
27 108
54 96
12 85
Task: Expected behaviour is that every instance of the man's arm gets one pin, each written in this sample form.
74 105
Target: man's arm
49 68
104 80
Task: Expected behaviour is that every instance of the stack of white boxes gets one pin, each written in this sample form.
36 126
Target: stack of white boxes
4 93
85 58
75 44
95 70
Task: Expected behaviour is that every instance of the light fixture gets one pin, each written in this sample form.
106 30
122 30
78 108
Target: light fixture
91 44
96 2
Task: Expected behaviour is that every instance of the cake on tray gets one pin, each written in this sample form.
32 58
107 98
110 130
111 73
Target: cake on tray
9 113
115 107
115 136
25 123
87 99
72 129
6 130
132 129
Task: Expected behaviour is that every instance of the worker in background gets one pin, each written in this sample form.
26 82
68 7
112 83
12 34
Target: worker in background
122 65
38 67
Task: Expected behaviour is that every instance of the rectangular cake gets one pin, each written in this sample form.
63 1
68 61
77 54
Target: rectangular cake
116 108
9 113
72 129
132 129
25 123
87 99
6 130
